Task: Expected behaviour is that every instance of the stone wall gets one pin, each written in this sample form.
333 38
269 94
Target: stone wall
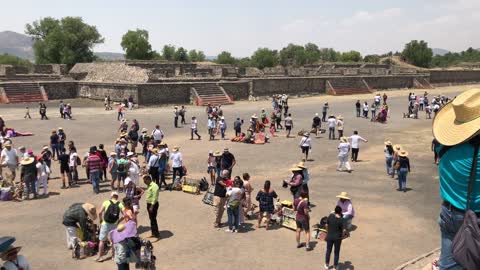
292 86
454 76
238 90
386 82
164 93
116 91
43 69
60 90
114 72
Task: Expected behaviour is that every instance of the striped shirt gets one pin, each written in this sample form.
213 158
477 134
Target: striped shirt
94 163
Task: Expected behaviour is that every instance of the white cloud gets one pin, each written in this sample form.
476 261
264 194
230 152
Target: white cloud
365 16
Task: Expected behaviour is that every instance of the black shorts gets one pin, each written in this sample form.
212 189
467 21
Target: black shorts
64 169
288 127
303 225
305 149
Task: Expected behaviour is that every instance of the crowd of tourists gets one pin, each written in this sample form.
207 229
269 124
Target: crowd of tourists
455 146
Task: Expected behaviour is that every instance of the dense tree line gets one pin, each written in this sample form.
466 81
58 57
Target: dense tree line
7 59
450 59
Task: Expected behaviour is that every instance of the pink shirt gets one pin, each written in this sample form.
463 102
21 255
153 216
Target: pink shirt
347 207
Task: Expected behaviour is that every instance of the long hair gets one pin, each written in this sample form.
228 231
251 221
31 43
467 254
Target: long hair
266 186
390 149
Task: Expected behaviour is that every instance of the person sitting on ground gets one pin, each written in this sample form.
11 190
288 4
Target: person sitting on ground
347 209
76 217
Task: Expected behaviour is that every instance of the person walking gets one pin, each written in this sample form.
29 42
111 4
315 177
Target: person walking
305 144
64 159
265 199
335 233
388 150
343 150
151 197
332 122
55 144
211 165
222 125
28 176
73 163
247 187
219 197
27 113
194 128
176 113
212 124
60 108
237 126
288 124
316 124
324 111
458 168
403 169
182 114
355 139
302 219
365 110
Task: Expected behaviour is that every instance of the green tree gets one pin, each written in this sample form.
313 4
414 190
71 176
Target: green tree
292 55
181 55
418 53
312 53
329 55
244 62
351 56
264 57
168 52
7 59
372 58
136 45
65 41
225 58
196 56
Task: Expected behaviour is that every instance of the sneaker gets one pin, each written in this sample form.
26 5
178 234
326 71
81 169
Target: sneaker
326 267
308 248
228 230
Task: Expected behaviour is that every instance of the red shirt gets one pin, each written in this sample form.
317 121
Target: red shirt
94 163
229 182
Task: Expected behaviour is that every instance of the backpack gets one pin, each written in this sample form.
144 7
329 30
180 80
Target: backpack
203 184
466 244
112 214
121 167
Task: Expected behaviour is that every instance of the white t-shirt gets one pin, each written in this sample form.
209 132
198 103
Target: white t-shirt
157 135
343 149
332 122
355 140
10 156
73 159
365 107
235 194
176 158
340 125
21 261
306 142
193 124
377 99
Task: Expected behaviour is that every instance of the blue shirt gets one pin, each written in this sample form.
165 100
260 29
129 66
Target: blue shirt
454 171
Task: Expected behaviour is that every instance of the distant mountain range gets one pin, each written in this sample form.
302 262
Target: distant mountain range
21 46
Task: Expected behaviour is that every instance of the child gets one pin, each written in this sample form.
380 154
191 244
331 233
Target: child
27 113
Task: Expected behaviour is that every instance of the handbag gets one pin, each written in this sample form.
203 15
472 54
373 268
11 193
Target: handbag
466 244
396 166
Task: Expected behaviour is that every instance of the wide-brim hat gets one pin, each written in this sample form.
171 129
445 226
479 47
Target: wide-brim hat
343 139
6 242
306 134
343 195
402 153
217 154
91 210
340 117
175 148
296 169
144 130
388 143
45 148
113 154
11 249
301 165
459 120
155 150
130 154
27 161
254 116
397 147
60 128
7 143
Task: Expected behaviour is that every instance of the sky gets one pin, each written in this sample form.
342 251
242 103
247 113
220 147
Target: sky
240 27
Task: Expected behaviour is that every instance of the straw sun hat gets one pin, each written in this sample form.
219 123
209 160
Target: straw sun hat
295 169
459 120
388 143
343 195
91 210
402 153
27 161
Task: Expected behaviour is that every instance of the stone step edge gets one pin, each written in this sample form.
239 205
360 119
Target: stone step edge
417 259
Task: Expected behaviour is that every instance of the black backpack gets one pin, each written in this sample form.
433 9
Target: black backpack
466 244
112 214
204 184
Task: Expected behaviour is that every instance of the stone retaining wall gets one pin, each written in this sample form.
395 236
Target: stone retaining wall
292 86
117 92
387 82
238 90
164 93
60 90
454 76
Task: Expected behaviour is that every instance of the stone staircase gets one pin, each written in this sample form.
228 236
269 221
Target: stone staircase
205 93
422 83
22 92
347 86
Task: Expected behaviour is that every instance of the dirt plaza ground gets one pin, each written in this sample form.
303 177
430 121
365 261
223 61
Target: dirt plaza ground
392 227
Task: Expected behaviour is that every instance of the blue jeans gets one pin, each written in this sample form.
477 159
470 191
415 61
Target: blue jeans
223 133
450 222
55 149
331 133
95 178
233 217
388 162
336 254
402 178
